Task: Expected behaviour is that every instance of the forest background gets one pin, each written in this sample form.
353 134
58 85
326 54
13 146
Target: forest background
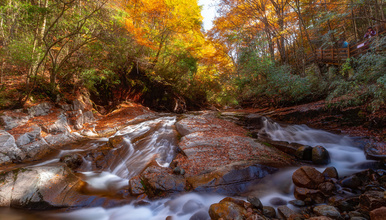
156 52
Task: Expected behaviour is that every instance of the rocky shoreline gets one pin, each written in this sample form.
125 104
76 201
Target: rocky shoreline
320 196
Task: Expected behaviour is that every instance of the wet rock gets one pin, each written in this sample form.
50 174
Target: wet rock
269 211
255 201
157 181
378 214
331 172
277 201
136 187
376 151
229 180
304 153
307 177
327 188
116 141
308 194
227 211
200 215
326 210
44 187
73 161
239 202
320 156
36 150
344 204
372 200
297 203
285 212
352 182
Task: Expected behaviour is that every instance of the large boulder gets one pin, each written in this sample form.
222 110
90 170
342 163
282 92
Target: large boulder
307 177
218 156
45 187
8 148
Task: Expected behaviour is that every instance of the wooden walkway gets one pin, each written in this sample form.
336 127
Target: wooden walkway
337 56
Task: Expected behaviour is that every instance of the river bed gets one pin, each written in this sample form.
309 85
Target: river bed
157 138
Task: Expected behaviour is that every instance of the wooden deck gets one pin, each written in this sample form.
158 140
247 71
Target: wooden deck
337 56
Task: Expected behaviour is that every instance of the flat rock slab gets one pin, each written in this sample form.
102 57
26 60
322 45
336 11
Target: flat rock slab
219 153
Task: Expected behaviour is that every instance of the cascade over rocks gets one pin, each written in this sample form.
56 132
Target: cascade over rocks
222 160
29 134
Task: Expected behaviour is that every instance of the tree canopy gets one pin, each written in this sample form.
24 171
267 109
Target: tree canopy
257 51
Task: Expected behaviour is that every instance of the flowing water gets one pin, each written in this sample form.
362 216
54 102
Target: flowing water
157 138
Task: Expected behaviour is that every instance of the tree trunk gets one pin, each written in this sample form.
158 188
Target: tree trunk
354 23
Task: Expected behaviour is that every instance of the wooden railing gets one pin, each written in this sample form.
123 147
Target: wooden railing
338 56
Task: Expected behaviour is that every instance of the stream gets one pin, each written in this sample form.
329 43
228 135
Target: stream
158 138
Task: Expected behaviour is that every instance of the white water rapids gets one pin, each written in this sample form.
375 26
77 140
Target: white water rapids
158 137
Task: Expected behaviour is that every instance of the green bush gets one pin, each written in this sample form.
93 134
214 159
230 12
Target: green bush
367 86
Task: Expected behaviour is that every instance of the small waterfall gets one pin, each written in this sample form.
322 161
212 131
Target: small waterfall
344 156
141 143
